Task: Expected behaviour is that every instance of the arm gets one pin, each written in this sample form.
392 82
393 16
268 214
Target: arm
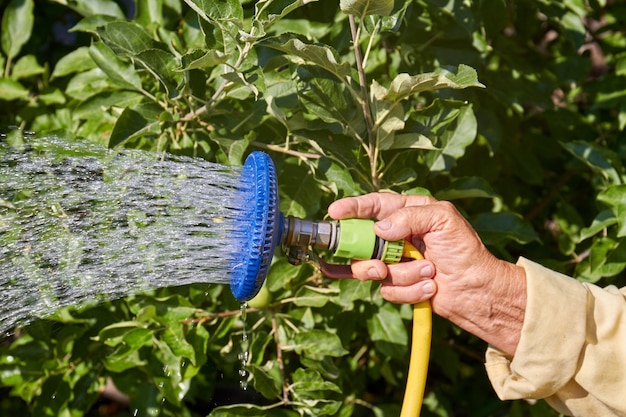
551 336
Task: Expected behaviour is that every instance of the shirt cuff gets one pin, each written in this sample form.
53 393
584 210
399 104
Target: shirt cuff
552 336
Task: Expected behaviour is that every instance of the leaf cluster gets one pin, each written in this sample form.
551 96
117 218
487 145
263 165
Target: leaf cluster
515 111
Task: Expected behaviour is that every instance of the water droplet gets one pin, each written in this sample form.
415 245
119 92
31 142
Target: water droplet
123 216
244 355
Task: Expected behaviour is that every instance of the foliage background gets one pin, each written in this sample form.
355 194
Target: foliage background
534 160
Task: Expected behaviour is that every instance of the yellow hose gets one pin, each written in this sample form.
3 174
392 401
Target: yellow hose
420 350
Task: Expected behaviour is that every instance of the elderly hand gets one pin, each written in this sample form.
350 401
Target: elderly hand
465 282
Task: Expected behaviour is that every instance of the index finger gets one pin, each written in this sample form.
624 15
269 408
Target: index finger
374 206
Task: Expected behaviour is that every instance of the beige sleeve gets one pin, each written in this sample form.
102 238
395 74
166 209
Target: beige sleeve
572 351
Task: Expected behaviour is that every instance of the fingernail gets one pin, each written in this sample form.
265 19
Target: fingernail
373 273
427 271
428 288
383 225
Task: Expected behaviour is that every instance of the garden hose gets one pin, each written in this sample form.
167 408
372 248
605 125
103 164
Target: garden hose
420 349
259 228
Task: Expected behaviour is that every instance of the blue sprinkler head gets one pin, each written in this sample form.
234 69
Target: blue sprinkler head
257 226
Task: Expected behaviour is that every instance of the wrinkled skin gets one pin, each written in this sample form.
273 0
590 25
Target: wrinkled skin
465 283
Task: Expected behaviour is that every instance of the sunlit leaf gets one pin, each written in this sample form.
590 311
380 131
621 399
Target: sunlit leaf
615 197
127 37
405 85
599 158
17 25
121 72
363 8
78 60
603 220
27 66
12 90
318 343
453 141
217 10
91 8
304 53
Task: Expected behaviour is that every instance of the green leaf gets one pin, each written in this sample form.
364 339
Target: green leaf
498 228
212 11
602 221
163 66
308 296
87 84
311 382
269 13
90 7
602 160
120 72
352 290
338 177
92 24
17 25
408 141
452 142
468 187
11 90
174 336
309 387
136 122
266 379
362 8
305 195
405 85
116 333
319 343
607 258
387 326
200 59
388 116
149 12
106 100
303 53
127 37
27 66
251 410
615 197
78 60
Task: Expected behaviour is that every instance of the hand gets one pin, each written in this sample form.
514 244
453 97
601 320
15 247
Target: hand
470 286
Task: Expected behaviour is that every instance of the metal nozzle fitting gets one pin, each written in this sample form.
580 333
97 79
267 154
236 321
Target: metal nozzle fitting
300 235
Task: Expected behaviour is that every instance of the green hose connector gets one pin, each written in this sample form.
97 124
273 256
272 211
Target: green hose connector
357 239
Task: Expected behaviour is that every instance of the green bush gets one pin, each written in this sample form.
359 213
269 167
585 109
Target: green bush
515 111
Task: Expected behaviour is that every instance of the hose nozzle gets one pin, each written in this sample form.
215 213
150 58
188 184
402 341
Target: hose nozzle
299 236
349 239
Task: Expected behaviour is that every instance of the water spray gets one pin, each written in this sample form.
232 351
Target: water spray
260 228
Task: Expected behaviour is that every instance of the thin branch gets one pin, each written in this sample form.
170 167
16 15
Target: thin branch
280 149
218 315
372 150
279 359
7 67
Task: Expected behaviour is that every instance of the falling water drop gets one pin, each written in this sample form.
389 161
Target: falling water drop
244 355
